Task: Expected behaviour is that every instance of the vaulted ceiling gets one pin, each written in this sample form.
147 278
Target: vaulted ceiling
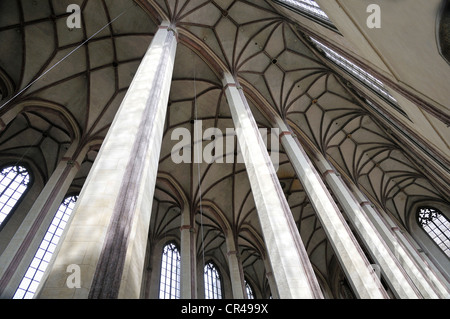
77 86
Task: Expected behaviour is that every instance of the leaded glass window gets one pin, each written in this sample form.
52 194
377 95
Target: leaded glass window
42 258
169 287
437 226
14 182
213 286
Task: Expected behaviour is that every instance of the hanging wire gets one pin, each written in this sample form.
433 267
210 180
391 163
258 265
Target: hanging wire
198 157
35 143
64 58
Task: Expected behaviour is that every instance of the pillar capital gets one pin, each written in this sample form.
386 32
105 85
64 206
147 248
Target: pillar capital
170 27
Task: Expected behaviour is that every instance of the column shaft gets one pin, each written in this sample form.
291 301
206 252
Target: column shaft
423 277
398 280
291 267
188 257
271 279
23 246
236 271
353 261
108 236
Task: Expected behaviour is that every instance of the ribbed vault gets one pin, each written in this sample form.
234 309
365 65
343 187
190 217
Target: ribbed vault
281 74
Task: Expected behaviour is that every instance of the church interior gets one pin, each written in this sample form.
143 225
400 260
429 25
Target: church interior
347 196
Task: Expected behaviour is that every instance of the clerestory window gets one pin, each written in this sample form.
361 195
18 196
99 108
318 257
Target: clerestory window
309 9
169 287
372 83
437 226
14 181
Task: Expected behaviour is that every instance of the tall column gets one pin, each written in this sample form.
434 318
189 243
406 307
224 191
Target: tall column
236 271
271 279
395 275
23 246
108 236
188 257
353 261
291 267
421 274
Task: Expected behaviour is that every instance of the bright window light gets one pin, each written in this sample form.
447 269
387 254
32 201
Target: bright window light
14 181
249 291
213 287
38 266
364 77
308 7
169 287
436 226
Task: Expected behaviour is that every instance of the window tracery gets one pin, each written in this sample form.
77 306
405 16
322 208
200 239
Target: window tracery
213 286
14 181
169 287
436 225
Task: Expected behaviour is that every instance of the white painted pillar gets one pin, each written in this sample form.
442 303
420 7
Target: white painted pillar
420 272
291 267
22 248
188 257
357 268
108 236
236 271
271 279
398 280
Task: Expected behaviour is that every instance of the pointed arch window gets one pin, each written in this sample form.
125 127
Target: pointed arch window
169 287
213 285
436 225
39 264
249 290
14 181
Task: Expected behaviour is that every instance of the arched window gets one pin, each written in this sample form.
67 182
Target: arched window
169 287
249 290
33 276
14 182
437 226
213 286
